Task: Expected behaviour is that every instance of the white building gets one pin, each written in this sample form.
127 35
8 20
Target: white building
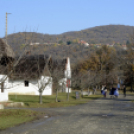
86 44
27 83
31 87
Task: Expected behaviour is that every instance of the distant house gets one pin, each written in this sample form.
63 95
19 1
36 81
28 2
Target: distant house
86 44
98 45
110 45
124 47
82 42
36 43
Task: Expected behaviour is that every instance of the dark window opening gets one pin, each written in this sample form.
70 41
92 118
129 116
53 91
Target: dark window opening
26 83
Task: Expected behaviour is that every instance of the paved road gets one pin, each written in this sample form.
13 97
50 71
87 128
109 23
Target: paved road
102 116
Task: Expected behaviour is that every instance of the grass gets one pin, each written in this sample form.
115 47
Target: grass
12 117
49 101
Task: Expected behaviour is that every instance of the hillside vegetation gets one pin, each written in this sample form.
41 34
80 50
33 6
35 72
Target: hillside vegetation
99 34
68 44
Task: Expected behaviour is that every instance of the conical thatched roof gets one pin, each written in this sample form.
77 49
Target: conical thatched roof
5 50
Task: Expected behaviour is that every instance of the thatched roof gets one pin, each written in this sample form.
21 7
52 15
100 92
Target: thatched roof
5 50
3 70
29 67
32 67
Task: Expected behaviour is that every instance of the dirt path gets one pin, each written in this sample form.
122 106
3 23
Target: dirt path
102 116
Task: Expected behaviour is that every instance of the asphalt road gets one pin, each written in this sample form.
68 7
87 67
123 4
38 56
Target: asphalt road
102 116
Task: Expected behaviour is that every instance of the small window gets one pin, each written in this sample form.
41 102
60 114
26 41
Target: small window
26 83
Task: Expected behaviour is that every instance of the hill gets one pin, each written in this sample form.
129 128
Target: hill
100 34
56 45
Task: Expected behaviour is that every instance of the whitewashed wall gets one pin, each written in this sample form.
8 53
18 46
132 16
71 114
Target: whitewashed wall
64 82
47 82
68 69
4 96
18 86
67 76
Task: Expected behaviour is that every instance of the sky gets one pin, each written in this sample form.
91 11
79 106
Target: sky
59 16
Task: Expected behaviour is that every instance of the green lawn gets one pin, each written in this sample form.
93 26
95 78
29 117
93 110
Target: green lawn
12 117
49 101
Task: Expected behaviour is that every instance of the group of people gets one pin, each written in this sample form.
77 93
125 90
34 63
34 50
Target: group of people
113 91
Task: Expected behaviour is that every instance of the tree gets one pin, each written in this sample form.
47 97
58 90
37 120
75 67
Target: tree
127 42
60 42
42 85
57 74
101 65
44 81
69 42
129 62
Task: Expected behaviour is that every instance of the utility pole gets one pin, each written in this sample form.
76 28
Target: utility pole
6 27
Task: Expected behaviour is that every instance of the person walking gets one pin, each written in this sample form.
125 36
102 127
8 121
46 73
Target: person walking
105 92
124 91
94 90
112 92
116 93
101 90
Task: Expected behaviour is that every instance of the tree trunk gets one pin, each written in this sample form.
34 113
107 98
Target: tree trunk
82 92
56 95
40 98
88 92
2 87
63 88
131 87
95 89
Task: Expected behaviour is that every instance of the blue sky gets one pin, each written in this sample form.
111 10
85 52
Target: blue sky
59 16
